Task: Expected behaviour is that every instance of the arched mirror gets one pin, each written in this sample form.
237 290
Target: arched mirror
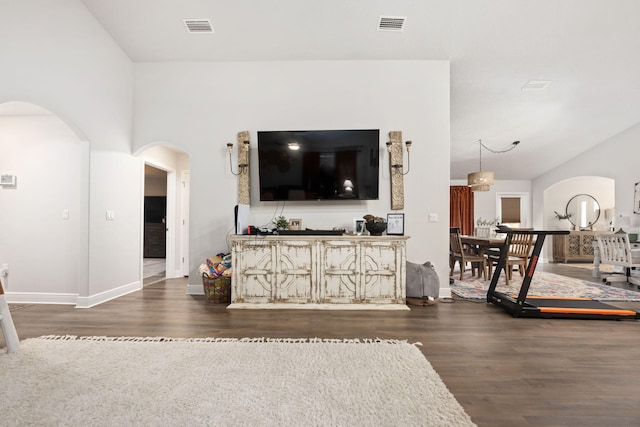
584 210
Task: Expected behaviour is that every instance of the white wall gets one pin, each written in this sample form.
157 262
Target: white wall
202 106
64 61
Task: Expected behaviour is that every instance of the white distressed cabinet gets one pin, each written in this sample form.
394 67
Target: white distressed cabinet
355 272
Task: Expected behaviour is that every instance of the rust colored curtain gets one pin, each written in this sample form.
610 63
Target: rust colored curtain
461 208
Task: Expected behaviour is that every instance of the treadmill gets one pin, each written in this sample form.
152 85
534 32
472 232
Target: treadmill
546 307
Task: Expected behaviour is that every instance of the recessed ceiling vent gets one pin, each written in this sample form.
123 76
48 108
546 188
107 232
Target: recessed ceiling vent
536 85
391 23
198 26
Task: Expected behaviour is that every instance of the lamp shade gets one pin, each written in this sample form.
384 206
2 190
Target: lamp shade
622 223
480 181
609 213
482 187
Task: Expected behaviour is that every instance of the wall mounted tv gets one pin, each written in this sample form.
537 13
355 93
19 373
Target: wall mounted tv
319 164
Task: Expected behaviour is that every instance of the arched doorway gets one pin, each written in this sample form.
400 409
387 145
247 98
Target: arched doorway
557 196
44 220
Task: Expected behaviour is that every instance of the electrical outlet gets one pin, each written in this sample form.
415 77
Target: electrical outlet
4 270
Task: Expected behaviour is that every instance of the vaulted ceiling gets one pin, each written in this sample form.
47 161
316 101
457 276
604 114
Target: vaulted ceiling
589 51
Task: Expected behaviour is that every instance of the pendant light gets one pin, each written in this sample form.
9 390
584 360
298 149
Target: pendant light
483 180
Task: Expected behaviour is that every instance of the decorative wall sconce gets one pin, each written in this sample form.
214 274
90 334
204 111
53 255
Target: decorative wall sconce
243 168
397 166
396 173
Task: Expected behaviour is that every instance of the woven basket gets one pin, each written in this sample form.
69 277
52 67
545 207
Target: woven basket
217 290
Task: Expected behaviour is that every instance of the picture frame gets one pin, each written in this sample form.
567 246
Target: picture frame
295 224
358 226
636 198
395 224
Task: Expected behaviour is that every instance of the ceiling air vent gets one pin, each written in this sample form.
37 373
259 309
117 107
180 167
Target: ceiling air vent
391 23
536 85
198 26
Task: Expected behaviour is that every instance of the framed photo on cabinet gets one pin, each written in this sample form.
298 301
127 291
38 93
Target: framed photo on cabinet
395 224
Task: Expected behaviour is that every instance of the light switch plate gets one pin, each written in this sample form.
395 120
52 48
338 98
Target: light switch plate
8 180
433 217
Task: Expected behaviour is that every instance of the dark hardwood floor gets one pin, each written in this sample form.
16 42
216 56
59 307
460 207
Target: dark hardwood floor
505 371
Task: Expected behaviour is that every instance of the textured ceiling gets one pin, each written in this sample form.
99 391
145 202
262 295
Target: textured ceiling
588 49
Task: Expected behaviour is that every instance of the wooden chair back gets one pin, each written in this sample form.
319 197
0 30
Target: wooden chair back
455 243
520 245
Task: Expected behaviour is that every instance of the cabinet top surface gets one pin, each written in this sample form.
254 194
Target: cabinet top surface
385 238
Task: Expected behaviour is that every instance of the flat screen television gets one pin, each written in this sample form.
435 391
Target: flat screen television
319 164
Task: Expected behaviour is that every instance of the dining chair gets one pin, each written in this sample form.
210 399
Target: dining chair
517 255
463 255
615 249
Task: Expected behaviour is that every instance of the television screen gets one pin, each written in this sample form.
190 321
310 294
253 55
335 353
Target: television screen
319 164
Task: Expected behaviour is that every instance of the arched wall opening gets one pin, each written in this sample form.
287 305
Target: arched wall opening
556 197
44 220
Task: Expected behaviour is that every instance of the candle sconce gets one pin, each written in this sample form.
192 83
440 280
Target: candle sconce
243 168
396 161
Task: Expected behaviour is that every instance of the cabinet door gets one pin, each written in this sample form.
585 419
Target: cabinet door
574 245
253 272
586 249
383 271
559 252
296 272
340 279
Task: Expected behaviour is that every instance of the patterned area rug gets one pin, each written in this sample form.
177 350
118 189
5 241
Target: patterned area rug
604 268
545 284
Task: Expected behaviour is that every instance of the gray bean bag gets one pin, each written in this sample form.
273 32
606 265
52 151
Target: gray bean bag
423 284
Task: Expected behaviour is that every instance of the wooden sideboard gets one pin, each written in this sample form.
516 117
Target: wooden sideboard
575 246
317 271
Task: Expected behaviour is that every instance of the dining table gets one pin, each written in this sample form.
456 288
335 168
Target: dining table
482 244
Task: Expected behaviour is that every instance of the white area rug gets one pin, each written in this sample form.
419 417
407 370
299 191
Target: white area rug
102 381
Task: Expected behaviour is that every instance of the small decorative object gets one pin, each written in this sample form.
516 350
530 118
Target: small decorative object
358 226
483 228
281 223
636 198
395 224
563 220
375 225
295 224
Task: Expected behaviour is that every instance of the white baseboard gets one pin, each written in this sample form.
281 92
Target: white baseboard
93 300
40 298
195 289
444 292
